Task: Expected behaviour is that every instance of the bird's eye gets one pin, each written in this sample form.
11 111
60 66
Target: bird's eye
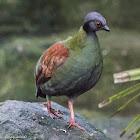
98 24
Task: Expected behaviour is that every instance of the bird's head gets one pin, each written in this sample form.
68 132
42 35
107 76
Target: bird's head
94 22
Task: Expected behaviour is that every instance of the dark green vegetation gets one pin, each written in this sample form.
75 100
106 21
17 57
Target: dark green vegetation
121 77
31 16
18 55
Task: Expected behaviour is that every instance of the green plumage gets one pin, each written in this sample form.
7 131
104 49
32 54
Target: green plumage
73 66
81 70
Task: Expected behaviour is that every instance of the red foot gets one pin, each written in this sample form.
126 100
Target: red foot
52 111
73 123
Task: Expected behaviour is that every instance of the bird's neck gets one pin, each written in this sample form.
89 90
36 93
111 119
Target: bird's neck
92 35
83 36
88 41
80 40
88 30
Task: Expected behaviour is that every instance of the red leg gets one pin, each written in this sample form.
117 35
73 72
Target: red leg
51 110
72 121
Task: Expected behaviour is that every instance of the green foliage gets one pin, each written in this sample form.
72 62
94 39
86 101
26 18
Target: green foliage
34 15
49 15
136 131
124 77
120 95
130 125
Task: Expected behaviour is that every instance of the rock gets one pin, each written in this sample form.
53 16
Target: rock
24 120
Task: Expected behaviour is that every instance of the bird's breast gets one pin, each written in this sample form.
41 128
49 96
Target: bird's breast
79 73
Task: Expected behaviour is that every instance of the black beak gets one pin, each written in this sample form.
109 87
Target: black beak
106 28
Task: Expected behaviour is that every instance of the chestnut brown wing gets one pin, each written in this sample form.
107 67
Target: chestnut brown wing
52 59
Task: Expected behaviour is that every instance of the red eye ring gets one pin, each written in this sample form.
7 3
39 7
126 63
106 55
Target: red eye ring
98 24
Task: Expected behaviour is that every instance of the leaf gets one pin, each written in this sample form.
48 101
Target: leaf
138 138
126 76
120 95
136 131
130 125
123 106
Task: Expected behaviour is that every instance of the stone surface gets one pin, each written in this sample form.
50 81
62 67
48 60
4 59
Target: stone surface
24 120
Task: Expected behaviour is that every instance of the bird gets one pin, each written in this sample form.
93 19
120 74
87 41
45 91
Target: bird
72 66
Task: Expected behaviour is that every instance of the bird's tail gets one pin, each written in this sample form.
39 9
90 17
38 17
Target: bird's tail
39 93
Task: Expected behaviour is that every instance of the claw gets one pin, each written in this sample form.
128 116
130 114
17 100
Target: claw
73 123
52 111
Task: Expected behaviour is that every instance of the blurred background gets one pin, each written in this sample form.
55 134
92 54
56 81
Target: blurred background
29 27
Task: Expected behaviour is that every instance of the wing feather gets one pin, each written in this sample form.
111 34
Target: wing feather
53 58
